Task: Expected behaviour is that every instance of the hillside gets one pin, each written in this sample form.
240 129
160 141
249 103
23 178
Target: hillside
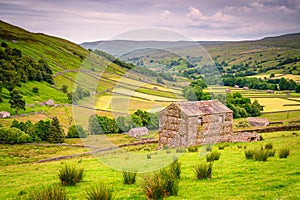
279 55
72 66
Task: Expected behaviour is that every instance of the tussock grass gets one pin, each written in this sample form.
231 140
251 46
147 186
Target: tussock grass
203 170
261 155
212 156
102 191
50 193
129 177
249 153
192 149
70 175
284 153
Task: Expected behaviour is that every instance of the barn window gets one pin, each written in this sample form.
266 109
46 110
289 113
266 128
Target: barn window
200 120
221 118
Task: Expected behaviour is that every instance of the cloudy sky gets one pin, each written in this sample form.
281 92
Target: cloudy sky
90 20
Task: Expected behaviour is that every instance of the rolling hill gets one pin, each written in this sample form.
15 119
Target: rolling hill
279 55
102 74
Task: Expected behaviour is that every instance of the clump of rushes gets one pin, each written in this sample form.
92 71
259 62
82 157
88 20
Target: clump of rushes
49 193
70 175
284 153
129 177
203 170
102 191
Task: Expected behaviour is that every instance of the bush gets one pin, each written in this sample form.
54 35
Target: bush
212 156
35 90
249 153
203 170
192 149
70 175
243 124
284 153
50 193
76 131
100 192
261 155
129 177
160 185
269 146
13 136
208 148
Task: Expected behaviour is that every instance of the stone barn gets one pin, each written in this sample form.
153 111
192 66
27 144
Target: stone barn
183 124
4 114
136 132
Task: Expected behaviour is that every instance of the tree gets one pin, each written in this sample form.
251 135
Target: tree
35 90
64 88
56 133
298 88
94 126
76 131
42 129
124 123
16 101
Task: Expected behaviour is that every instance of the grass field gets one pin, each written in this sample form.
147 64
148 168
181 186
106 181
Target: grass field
277 104
233 176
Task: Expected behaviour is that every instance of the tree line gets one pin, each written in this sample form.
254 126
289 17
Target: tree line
261 84
241 106
104 125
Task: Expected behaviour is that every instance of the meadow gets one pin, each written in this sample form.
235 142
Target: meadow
233 176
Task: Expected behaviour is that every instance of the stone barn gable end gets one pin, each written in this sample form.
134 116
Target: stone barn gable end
190 123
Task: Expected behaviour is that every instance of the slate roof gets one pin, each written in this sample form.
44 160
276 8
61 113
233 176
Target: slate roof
207 107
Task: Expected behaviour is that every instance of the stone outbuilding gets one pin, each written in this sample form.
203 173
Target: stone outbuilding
137 132
49 102
4 114
183 124
254 121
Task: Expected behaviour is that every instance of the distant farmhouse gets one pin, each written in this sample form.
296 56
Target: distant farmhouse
195 122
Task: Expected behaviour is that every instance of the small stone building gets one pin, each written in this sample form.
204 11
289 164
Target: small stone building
254 121
4 114
49 102
136 132
184 124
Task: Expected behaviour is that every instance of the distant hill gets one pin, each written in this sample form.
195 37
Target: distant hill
279 55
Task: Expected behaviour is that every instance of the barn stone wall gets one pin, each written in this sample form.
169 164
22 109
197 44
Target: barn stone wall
179 130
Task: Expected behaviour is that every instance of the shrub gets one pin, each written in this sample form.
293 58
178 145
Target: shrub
100 192
208 148
243 124
212 156
249 153
76 131
129 177
70 175
203 170
284 153
35 90
50 193
261 155
192 149
269 146
175 168
13 136
160 185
